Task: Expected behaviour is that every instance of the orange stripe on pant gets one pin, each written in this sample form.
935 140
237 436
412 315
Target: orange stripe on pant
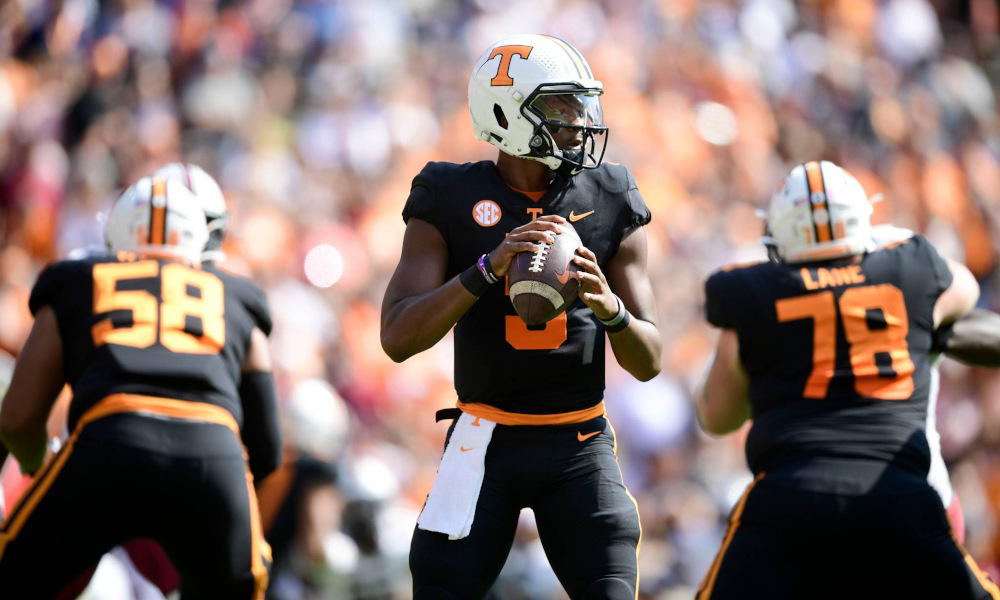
984 579
705 590
259 548
638 547
34 495
503 417
130 403
32 486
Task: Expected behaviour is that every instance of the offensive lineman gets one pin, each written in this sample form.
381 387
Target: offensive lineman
827 349
166 361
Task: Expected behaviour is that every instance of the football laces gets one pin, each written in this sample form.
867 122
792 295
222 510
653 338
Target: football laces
538 259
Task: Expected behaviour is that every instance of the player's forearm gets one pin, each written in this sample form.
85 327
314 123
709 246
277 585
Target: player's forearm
975 339
28 445
714 417
415 324
722 399
638 349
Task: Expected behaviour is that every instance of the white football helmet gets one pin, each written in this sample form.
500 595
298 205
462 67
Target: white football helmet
212 201
157 215
819 212
317 420
525 88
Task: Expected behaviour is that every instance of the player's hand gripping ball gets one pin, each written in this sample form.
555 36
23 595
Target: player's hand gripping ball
544 283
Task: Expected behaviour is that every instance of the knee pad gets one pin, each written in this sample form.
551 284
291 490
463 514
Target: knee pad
609 589
429 592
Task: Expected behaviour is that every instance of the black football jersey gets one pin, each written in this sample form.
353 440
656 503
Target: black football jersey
498 360
837 354
151 327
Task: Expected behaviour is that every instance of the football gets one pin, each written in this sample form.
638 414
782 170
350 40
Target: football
542 284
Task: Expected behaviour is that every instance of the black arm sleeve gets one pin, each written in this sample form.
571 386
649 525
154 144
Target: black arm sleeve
716 302
261 424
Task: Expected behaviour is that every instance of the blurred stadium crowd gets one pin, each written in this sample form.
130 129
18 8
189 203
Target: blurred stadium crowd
315 115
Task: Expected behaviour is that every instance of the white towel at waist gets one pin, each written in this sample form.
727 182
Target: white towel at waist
451 505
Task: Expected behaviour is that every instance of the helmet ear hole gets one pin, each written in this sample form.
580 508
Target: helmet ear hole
501 118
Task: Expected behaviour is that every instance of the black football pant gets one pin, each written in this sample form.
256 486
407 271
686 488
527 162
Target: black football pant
587 521
182 483
789 544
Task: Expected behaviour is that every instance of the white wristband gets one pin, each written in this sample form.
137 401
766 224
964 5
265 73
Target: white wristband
618 317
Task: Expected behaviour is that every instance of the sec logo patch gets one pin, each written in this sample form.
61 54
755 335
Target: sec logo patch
486 213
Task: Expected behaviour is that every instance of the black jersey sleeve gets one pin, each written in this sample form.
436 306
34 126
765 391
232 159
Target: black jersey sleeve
718 293
63 285
618 181
250 296
50 282
639 212
423 202
937 268
256 303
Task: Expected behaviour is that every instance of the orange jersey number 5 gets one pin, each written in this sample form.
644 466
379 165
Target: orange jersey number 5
549 337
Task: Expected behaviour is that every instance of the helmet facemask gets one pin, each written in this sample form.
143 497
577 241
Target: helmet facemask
208 192
556 107
216 233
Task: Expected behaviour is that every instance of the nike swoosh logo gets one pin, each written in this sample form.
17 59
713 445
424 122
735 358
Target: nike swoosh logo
573 218
464 449
584 438
564 276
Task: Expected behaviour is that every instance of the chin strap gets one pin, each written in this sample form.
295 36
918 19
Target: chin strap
571 167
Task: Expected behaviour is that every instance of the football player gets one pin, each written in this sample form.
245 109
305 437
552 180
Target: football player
217 220
827 348
166 361
530 427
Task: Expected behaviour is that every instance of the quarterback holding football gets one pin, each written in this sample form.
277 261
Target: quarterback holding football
530 427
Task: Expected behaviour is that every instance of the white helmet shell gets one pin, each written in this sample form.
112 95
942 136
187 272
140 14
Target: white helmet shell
208 192
201 184
317 419
507 90
157 215
819 212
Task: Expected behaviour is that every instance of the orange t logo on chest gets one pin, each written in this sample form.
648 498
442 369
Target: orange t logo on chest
506 53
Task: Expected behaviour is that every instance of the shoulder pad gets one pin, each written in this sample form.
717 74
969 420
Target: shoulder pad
249 294
742 265
56 279
614 178
440 174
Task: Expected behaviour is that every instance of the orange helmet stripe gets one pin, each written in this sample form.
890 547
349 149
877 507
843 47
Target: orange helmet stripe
158 214
824 233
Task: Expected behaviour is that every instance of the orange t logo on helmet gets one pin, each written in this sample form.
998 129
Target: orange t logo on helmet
506 53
